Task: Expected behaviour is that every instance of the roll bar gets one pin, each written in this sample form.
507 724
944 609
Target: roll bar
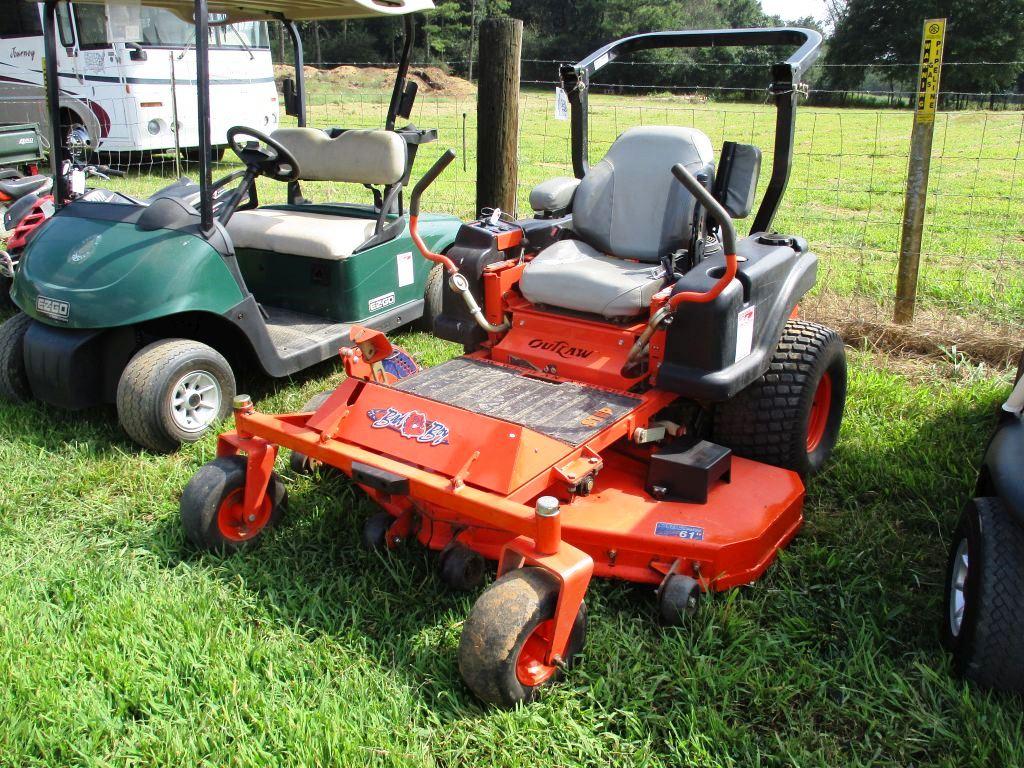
784 88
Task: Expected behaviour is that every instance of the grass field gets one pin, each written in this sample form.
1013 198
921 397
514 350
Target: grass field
845 196
119 646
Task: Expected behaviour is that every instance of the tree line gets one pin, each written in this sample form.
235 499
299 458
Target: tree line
870 44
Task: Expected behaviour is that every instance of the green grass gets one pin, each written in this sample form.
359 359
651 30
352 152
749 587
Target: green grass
845 195
121 646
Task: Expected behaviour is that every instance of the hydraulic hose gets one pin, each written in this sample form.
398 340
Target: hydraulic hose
456 281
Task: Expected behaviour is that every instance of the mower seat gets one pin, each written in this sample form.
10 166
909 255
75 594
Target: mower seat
628 214
355 156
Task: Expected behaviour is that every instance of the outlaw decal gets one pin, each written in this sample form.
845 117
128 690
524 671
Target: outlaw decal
411 424
561 348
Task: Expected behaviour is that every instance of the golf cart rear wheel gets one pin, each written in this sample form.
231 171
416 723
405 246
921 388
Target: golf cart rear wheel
13 378
505 639
790 417
172 392
983 613
300 463
212 509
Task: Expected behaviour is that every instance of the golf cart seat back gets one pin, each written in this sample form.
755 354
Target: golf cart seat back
369 156
628 214
355 156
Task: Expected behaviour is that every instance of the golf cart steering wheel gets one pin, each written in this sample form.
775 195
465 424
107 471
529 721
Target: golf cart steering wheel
271 159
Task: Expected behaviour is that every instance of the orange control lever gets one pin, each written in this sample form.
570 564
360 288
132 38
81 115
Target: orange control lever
414 211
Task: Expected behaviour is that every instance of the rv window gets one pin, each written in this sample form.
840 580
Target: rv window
23 22
92 26
67 33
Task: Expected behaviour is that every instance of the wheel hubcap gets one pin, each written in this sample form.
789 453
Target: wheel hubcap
531 669
820 407
195 401
233 522
958 588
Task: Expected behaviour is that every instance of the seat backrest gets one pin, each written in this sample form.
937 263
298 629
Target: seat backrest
360 156
630 205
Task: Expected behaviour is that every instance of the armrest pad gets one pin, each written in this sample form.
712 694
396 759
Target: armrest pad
553 195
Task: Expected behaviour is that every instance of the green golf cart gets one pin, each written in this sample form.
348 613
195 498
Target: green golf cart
152 304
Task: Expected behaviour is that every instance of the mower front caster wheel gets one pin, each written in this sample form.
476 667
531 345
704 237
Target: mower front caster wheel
212 507
300 463
678 599
462 569
505 639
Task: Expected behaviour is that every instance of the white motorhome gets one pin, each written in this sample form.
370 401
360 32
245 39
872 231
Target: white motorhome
127 71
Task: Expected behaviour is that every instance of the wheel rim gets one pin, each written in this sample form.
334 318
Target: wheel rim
958 588
232 521
821 405
195 401
531 669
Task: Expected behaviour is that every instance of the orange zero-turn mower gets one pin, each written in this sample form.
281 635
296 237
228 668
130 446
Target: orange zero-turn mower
637 400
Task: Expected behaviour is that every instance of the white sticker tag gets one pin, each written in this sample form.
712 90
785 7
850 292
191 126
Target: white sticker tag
77 182
561 104
744 332
406 272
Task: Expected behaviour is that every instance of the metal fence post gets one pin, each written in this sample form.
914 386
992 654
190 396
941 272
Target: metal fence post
932 43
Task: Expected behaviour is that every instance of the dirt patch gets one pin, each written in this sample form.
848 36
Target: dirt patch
933 335
431 80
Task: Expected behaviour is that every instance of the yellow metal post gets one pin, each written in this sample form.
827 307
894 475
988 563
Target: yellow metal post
932 44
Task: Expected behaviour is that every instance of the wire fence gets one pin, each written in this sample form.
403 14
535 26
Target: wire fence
846 192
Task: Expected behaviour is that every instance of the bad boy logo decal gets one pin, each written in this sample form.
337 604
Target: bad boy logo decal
411 424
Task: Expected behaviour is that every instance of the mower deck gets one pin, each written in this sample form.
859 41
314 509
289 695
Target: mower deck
563 410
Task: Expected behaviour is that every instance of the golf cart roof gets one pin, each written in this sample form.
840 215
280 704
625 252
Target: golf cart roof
292 10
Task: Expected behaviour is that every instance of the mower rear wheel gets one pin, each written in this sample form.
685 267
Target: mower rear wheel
678 599
13 378
300 463
506 636
375 530
212 512
983 613
172 392
790 417
462 569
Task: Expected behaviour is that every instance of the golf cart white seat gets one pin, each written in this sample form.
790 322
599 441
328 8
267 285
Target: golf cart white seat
357 156
628 213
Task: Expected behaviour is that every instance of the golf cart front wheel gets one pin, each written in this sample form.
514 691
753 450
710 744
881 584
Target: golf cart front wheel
790 416
983 613
212 507
172 392
14 384
505 639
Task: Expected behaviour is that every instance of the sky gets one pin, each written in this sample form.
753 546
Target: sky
794 9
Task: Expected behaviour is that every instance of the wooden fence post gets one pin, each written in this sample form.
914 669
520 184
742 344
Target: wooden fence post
497 138
932 43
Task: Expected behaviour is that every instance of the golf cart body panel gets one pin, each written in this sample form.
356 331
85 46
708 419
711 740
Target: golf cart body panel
351 289
92 273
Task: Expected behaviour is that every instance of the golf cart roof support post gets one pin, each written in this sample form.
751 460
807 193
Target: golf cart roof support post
785 87
300 69
53 101
403 72
202 22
